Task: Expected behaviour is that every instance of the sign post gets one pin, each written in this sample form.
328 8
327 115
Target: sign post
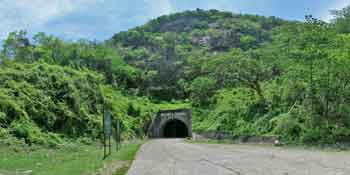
117 136
107 130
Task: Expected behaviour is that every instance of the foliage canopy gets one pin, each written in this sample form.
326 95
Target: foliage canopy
244 74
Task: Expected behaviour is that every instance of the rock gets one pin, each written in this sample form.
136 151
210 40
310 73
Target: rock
277 143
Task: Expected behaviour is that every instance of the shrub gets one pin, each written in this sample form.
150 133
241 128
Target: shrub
28 131
3 133
287 127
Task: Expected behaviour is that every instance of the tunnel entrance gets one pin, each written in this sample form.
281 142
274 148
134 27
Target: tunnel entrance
175 129
174 123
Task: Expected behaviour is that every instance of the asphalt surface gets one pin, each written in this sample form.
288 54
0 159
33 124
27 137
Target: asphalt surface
177 157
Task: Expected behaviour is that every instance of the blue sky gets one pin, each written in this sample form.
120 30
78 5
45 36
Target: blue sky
100 19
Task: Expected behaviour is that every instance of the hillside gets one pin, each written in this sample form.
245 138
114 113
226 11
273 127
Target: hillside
169 49
243 74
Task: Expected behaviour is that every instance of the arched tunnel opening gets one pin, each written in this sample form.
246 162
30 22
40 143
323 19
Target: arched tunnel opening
175 129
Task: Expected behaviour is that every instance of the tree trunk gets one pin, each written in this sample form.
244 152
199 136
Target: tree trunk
259 91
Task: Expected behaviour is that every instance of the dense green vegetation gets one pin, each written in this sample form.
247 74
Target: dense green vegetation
44 103
243 74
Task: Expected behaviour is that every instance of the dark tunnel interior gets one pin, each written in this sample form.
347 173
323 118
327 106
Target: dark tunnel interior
175 129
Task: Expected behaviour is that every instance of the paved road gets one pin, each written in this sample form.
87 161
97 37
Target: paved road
176 157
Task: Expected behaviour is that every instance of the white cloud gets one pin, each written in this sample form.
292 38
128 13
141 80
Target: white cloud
29 14
36 15
337 4
101 18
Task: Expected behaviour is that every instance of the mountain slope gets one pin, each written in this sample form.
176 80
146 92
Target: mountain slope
166 47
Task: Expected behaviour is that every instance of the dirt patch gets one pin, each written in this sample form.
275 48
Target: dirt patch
110 168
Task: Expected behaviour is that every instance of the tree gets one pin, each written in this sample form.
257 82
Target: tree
341 19
49 48
237 68
202 89
17 46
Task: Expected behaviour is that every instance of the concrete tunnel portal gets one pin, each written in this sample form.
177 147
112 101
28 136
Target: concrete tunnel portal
171 124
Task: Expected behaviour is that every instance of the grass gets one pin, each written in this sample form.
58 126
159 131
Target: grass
74 159
122 171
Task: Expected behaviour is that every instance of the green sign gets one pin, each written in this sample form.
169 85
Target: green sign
107 123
